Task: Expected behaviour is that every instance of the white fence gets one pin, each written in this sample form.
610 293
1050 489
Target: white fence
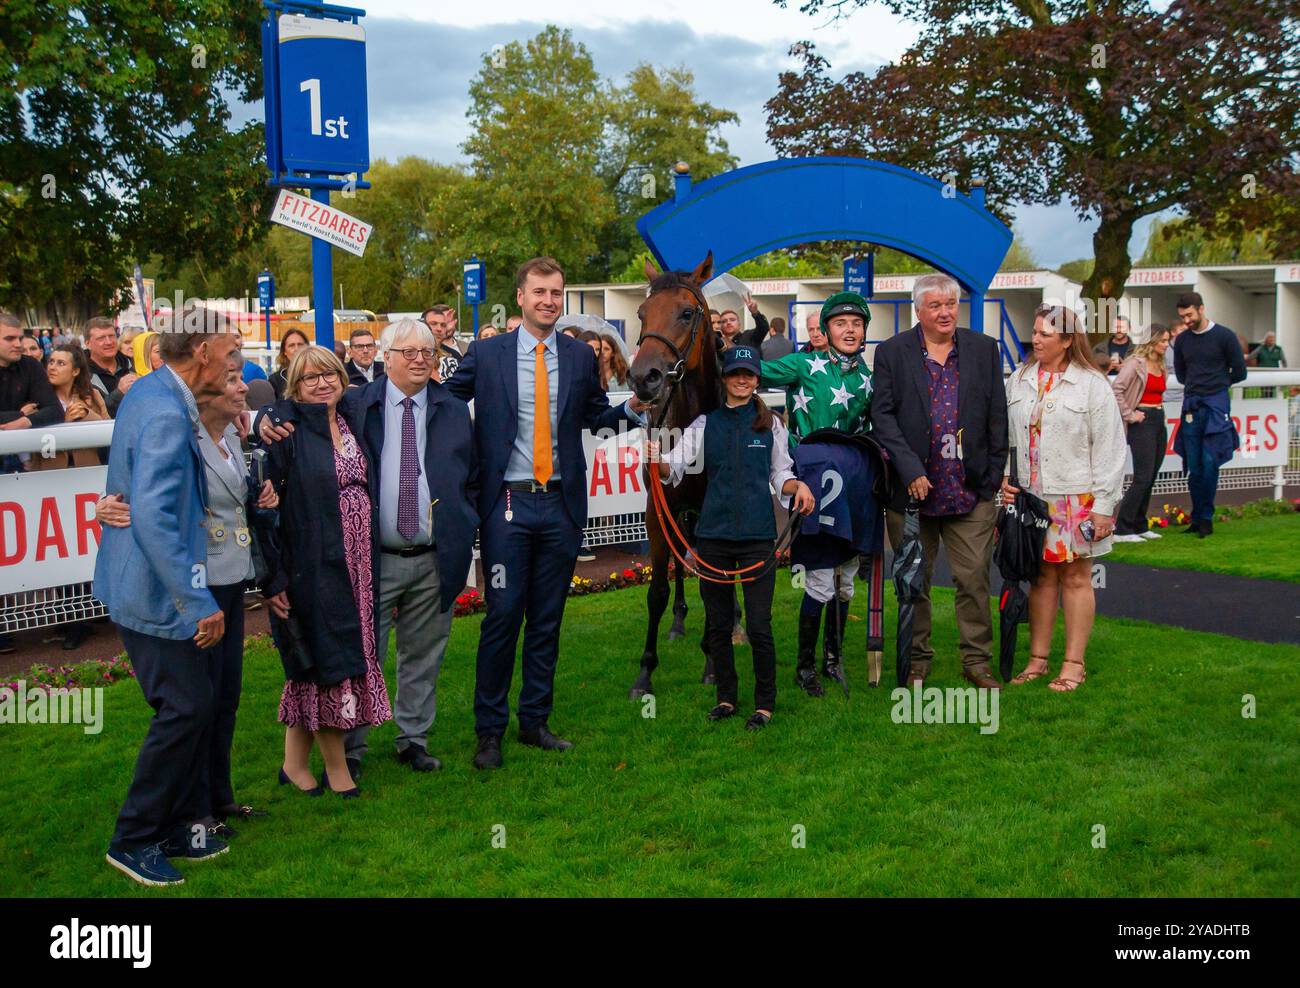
47 505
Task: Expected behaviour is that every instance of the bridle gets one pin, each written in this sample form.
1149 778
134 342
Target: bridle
680 354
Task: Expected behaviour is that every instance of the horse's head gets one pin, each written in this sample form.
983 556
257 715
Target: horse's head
675 330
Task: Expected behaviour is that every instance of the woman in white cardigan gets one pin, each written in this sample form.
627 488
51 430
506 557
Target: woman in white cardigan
1067 436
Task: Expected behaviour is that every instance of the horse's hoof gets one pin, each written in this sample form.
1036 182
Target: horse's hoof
635 693
675 632
708 679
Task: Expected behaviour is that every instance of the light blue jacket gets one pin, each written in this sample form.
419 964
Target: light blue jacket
152 575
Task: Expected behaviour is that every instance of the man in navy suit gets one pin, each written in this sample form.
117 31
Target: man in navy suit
152 577
532 499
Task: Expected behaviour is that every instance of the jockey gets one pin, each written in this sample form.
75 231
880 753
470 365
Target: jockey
829 390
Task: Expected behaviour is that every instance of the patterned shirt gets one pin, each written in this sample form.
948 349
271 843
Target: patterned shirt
949 494
823 391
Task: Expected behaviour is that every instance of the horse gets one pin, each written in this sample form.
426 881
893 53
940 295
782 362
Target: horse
676 372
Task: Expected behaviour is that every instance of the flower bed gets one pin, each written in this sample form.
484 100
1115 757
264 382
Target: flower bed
94 672
1263 508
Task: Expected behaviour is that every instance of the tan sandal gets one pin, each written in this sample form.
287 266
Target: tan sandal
1063 685
1029 674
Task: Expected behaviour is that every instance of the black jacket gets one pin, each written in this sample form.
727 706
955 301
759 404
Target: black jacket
312 565
24 382
358 379
900 410
749 337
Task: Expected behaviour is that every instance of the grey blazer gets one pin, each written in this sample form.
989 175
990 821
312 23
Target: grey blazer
228 561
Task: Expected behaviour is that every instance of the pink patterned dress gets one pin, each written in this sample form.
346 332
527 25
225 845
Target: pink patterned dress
1064 543
361 699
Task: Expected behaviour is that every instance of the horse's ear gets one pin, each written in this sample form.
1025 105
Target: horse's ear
705 271
651 272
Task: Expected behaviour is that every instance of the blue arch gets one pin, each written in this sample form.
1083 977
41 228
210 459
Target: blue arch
747 212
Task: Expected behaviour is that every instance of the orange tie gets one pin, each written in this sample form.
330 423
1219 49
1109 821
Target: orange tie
542 467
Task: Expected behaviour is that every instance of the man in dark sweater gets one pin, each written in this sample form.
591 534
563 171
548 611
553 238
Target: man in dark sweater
26 399
1207 360
111 372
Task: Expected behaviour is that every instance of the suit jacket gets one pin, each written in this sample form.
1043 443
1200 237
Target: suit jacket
358 379
450 466
228 562
488 374
152 575
900 410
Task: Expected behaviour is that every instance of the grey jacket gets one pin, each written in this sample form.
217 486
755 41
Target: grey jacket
229 533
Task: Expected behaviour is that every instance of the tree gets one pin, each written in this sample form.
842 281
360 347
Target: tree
537 114
654 121
1122 109
1179 242
115 144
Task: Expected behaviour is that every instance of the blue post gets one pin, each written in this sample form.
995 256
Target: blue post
322 280
681 181
475 308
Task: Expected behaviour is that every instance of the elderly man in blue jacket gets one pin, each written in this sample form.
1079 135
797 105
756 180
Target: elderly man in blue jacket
152 578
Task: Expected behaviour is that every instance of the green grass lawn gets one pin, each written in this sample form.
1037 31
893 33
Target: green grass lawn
1195 800
1262 548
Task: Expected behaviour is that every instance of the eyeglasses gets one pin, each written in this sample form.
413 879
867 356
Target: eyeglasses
311 380
363 346
410 353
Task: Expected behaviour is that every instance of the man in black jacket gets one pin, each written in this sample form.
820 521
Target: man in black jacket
111 371
940 409
362 367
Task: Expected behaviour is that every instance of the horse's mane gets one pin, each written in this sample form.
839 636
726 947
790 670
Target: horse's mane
673 279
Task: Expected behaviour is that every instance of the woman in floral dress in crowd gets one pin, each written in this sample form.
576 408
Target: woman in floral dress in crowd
1065 428
324 585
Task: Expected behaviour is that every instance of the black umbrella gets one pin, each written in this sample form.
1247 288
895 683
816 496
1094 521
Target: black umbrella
909 584
1021 530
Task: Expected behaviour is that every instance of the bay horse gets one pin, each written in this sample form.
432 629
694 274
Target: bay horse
676 372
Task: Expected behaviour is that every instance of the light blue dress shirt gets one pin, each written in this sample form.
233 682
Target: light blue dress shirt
520 465
390 468
191 405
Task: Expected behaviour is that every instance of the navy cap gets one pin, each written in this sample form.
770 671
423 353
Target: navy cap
741 358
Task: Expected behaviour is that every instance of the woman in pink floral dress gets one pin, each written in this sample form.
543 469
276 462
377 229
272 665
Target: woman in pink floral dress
325 580
1065 428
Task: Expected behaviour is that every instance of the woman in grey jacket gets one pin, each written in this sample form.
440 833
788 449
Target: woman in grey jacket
1068 439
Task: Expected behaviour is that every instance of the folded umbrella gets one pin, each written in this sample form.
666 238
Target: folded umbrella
909 585
1021 530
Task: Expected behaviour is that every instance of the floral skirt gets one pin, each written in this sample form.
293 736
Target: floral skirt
1064 542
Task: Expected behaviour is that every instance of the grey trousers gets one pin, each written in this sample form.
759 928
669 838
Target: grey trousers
413 586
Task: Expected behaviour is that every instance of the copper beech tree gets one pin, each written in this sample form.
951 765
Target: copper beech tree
1119 108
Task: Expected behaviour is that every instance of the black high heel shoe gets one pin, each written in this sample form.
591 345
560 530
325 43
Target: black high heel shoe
353 793
286 781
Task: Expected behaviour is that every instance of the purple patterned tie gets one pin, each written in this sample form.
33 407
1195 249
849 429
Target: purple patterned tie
408 517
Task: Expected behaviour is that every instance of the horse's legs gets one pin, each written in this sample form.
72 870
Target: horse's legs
678 629
656 604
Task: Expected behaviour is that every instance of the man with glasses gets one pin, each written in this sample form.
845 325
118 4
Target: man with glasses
420 438
534 392
362 366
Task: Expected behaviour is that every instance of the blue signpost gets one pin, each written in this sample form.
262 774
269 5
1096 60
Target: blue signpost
860 275
474 287
266 299
317 132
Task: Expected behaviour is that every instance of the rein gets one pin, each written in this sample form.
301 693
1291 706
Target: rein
658 495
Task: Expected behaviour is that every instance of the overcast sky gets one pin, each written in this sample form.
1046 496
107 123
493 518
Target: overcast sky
422 56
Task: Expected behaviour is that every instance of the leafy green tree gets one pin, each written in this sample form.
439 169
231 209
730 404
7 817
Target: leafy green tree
1180 242
537 113
1122 107
115 144
654 121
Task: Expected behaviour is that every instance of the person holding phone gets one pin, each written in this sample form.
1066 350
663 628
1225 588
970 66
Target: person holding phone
230 536
1068 438
743 448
